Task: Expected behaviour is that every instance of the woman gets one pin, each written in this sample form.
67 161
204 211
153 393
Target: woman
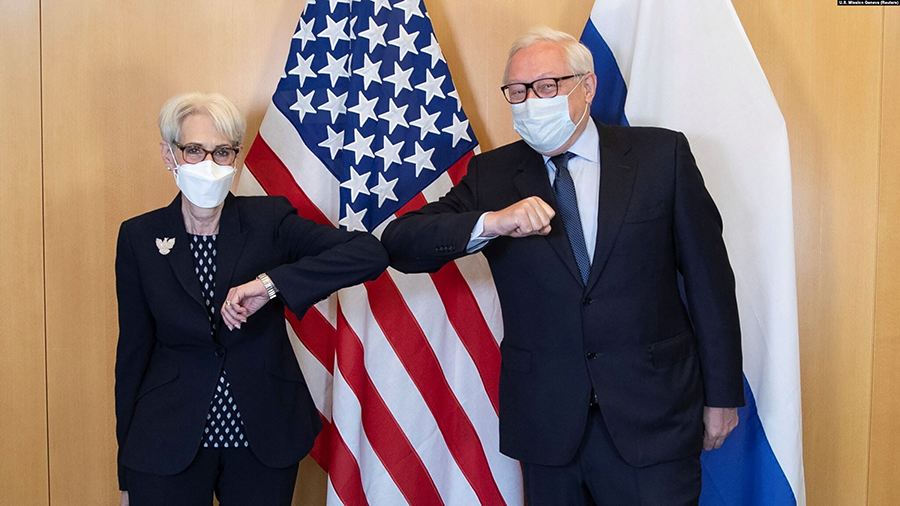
209 397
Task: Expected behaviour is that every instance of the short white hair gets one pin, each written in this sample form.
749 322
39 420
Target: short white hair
228 118
578 56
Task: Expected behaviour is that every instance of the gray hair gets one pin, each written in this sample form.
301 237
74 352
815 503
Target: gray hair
578 57
228 118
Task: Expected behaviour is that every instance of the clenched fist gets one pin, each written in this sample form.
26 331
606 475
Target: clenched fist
717 425
526 217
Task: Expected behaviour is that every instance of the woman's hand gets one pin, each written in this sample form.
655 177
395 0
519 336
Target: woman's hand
242 301
124 500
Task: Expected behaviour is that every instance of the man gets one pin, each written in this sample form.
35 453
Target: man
611 382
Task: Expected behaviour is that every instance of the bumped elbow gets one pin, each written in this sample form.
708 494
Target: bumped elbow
381 259
376 256
398 247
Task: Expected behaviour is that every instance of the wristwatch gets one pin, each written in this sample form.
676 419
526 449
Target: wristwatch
269 286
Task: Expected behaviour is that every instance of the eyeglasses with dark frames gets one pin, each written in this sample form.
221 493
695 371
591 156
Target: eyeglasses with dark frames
195 153
548 87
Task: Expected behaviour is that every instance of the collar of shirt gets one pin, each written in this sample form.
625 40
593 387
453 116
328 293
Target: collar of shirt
587 146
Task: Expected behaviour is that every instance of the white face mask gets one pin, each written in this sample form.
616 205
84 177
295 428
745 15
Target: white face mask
544 123
205 184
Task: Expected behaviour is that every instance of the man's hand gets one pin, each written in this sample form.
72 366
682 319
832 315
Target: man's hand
526 217
242 301
717 425
123 500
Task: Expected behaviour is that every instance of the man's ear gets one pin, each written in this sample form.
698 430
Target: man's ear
590 86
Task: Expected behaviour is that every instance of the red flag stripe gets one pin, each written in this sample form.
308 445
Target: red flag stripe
458 169
413 349
471 327
476 270
333 455
317 334
344 473
322 449
413 204
383 432
276 179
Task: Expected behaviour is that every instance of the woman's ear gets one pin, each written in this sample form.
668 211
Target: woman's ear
168 155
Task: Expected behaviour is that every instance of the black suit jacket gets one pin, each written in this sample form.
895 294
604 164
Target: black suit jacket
166 363
627 334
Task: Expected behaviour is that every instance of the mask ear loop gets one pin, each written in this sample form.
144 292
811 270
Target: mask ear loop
174 160
586 109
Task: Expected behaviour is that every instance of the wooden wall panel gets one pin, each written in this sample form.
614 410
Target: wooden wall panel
884 444
475 38
23 397
108 67
824 65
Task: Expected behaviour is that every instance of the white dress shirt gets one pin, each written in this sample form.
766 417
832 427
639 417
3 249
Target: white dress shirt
585 170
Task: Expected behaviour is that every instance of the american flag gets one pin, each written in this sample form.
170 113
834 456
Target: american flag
366 124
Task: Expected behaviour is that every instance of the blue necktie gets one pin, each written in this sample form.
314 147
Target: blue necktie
564 188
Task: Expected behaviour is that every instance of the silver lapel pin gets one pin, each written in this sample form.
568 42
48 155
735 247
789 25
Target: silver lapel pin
165 245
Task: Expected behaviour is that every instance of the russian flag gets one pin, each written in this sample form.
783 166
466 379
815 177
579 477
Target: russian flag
689 66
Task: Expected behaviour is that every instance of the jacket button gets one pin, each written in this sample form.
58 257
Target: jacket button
591 355
220 351
587 301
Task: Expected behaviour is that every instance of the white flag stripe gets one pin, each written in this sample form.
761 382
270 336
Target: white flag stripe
424 302
331 497
327 307
317 377
248 185
477 273
438 188
347 414
402 398
380 228
308 171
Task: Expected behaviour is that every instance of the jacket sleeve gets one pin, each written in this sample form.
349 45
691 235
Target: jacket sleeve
320 259
137 331
426 239
708 282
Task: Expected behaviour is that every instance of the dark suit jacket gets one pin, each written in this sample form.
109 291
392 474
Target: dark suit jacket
627 334
166 363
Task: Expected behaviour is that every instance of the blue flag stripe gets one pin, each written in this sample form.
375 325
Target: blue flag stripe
609 102
744 470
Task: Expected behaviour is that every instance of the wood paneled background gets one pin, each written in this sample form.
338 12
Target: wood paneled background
81 84
23 389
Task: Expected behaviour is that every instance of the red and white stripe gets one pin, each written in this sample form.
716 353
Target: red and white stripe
404 370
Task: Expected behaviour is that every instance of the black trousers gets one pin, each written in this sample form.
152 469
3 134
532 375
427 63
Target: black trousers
234 475
598 476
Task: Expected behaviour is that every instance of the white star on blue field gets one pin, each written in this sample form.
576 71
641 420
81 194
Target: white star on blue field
369 91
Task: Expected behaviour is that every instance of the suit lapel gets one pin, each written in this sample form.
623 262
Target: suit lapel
229 245
532 180
617 171
180 257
